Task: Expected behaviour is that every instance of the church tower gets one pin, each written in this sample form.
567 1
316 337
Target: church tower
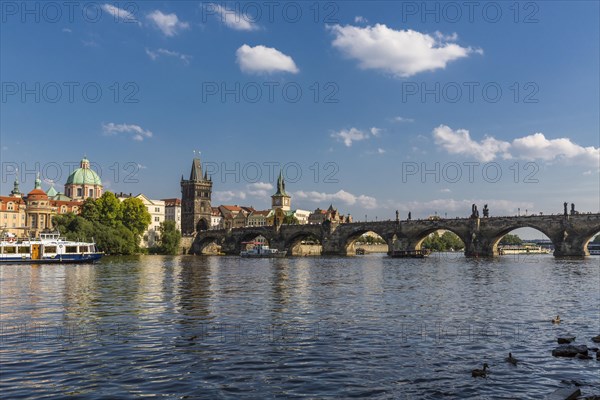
196 193
281 200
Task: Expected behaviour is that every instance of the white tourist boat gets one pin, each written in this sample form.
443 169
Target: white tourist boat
260 250
48 248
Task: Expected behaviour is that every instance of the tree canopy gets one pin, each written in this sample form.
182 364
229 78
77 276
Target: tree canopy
170 238
115 226
511 239
448 241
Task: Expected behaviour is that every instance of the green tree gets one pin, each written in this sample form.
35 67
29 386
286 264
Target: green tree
109 209
170 238
433 242
511 239
452 241
90 210
135 215
290 220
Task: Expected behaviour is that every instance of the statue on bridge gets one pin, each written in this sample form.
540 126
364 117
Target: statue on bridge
565 204
486 211
573 212
397 216
474 212
409 216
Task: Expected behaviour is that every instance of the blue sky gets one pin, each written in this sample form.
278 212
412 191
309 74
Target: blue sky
388 90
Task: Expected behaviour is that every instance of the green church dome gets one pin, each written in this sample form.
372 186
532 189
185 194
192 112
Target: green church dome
84 175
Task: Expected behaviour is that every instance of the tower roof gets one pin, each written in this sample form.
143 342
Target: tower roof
84 175
280 186
196 173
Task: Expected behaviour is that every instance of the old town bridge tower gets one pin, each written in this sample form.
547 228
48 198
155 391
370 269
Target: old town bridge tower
195 200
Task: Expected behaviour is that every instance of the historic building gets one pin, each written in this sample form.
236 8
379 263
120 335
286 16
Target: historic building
84 182
331 214
29 215
196 192
173 211
156 209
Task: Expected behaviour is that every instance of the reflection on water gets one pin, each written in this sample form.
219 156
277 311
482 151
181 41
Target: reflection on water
225 327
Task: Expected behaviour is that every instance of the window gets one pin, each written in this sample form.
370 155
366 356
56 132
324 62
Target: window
83 249
49 249
10 207
91 193
156 209
157 219
71 249
10 250
23 249
79 192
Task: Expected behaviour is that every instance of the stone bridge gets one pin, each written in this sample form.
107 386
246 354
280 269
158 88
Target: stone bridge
569 234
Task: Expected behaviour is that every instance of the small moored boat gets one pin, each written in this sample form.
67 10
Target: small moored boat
260 250
48 248
409 253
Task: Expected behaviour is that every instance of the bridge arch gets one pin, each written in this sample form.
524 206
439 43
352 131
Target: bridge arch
348 242
418 240
292 244
588 237
497 237
207 244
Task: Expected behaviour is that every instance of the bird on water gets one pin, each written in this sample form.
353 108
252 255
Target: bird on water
511 359
480 372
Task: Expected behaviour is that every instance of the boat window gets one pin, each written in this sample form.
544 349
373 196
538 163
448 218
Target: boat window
49 249
23 249
71 249
10 250
83 249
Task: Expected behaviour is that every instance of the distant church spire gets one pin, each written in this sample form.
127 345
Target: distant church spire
280 186
16 191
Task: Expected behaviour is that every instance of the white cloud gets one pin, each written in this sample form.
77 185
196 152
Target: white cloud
349 136
228 195
360 20
138 133
460 142
234 19
169 24
531 147
155 54
402 119
260 189
445 190
67 30
342 196
375 131
536 146
380 150
402 53
119 13
261 59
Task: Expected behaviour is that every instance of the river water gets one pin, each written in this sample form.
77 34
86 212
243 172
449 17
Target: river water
365 326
